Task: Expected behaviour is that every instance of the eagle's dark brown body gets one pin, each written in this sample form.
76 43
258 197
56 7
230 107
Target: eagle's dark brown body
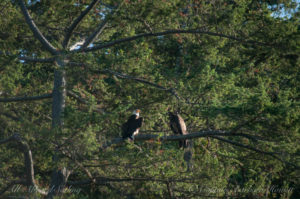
178 127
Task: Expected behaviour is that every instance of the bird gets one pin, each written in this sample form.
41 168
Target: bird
132 126
178 126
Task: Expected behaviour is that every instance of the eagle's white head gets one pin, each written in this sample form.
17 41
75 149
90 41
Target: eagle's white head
136 112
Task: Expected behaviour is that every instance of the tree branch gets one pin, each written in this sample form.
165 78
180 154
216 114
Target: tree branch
214 134
29 59
143 137
81 166
167 32
10 116
99 29
41 60
256 150
125 76
30 98
35 30
28 162
83 101
104 180
70 29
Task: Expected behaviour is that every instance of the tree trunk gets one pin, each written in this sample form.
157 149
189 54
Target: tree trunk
59 179
58 96
60 175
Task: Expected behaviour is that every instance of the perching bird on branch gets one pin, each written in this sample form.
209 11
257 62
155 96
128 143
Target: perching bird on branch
133 125
178 127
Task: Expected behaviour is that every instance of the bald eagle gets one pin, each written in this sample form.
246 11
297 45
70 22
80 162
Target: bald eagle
132 126
178 127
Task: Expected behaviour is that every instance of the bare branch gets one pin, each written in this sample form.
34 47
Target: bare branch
30 98
100 28
125 76
37 33
214 134
24 147
256 150
70 29
168 32
143 137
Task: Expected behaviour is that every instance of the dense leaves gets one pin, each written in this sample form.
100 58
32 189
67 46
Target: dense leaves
240 74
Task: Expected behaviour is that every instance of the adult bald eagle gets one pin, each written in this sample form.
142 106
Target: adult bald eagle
133 125
178 127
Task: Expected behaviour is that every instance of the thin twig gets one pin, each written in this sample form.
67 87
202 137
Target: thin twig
84 101
25 98
100 28
125 76
72 27
167 32
214 134
256 150
71 157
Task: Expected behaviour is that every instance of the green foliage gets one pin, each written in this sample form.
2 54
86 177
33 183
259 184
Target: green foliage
222 83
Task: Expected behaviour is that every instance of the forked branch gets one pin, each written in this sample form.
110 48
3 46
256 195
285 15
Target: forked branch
36 32
100 28
72 27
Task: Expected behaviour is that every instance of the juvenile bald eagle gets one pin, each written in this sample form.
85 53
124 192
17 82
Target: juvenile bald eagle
178 127
132 126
